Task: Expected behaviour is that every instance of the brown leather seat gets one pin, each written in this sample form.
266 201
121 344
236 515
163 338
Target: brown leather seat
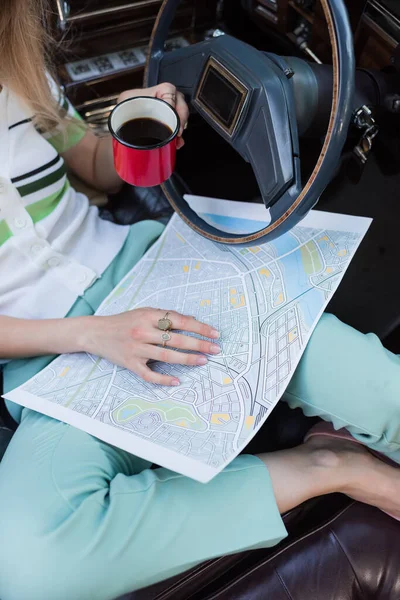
354 555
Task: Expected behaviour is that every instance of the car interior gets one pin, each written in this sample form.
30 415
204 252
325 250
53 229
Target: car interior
335 145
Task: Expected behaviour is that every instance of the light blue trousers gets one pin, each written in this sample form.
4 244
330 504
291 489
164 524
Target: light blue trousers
82 520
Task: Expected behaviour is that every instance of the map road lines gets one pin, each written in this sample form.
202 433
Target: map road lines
265 300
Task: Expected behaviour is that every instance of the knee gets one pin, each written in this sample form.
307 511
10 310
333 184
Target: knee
335 340
328 324
333 330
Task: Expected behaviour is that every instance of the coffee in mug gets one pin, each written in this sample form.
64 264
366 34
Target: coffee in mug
144 132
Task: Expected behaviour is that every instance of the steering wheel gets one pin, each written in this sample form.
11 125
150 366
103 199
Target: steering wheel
247 97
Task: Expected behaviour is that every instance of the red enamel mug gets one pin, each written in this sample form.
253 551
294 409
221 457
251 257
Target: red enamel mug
144 165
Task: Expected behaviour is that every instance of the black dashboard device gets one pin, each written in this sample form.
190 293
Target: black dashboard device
221 95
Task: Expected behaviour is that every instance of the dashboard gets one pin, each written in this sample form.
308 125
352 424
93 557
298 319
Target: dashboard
375 25
104 43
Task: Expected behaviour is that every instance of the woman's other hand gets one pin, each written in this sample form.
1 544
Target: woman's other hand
168 93
133 338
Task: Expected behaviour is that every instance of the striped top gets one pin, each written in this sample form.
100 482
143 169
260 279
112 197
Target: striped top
53 245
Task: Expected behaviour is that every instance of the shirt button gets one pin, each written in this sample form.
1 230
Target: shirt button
20 223
82 278
54 261
36 248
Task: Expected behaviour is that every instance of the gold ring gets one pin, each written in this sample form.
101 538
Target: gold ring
165 338
165 324
170 94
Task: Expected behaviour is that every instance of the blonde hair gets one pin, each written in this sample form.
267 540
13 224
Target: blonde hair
25 57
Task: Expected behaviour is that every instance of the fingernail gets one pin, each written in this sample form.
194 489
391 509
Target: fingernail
201 360
175 382
214 333
215 349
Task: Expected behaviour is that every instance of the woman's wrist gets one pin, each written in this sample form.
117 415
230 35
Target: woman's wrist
65 336
26 337
81 333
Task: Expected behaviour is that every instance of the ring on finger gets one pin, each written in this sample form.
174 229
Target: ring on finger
165 324
169 95
165 338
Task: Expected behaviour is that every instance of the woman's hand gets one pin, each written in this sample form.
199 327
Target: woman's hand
91 159
168 93
132 338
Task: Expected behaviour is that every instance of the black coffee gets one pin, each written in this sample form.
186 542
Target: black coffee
144 132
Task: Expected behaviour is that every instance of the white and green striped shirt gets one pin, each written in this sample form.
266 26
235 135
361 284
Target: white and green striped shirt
53 245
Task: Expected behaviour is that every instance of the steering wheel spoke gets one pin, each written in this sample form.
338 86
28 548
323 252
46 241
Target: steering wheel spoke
246 96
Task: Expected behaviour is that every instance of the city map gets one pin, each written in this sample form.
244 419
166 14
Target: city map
264 300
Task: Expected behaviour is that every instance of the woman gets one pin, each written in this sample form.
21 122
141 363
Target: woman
79 518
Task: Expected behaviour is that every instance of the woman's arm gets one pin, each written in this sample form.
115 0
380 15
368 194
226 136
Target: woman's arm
91 159
129 339
24 337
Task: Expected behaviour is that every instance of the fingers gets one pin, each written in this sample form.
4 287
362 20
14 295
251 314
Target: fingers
158 91
173 357
169 93
128 94
190 324
149 317
166 92
153 377
183 342
169 97
183 111
148 340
